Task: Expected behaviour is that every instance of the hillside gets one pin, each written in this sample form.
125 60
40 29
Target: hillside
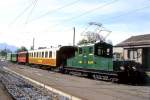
7 46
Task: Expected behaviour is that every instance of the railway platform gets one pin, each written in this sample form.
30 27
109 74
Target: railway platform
86 89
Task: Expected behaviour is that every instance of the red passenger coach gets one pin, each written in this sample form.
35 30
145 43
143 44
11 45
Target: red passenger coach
23 57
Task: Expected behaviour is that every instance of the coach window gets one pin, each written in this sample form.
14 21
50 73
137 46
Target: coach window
37 54
42 54
54 53
46 54
50 54
33 54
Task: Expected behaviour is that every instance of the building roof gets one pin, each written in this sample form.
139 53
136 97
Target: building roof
139 40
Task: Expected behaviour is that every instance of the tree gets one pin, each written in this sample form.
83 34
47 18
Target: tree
31 48
4 52
83 41
91 37
42 47
22 48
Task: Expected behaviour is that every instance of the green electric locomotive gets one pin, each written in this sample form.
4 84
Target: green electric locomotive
96 60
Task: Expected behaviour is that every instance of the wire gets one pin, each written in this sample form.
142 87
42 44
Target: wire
127 13
84 30
53 11
34 5
28 7
87 12
90 11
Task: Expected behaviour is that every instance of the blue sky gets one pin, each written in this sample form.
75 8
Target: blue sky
124 18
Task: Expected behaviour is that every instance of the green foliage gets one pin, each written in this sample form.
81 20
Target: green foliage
31 48
4 52
22 48
91 37
83 41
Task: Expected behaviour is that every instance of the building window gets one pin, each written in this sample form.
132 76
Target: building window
108 51
129 54
132 54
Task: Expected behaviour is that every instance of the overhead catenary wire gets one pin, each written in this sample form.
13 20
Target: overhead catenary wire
21 14
94 9
57 9
128 13
34 5
124 14
89 11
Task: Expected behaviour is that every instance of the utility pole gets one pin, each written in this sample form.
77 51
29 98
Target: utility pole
33 43
74 36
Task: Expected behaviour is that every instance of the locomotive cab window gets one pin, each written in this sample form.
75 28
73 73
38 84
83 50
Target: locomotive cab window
90 49
80 50
103 50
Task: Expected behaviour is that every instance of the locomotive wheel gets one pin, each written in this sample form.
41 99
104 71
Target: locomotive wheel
100 77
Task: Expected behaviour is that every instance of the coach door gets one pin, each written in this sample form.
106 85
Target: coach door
85 57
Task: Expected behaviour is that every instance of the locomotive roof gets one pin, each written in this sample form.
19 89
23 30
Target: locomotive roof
92 44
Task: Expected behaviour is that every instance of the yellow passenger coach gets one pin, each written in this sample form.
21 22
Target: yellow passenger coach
43 57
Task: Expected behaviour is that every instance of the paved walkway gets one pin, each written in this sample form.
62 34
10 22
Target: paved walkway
86 89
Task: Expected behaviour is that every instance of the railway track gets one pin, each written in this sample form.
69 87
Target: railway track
20 89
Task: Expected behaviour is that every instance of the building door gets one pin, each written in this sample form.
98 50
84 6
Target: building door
146 58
